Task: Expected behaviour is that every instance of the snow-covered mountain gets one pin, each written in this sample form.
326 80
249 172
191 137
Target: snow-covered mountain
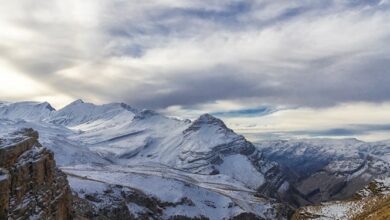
31 111
328 169
78 112
165 159
122 161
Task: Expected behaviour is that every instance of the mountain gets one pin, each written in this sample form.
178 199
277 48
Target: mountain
129 162
326 169
370 203
79 112
344 179
31 111
126 163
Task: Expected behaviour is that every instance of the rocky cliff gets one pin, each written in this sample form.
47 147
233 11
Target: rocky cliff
30 184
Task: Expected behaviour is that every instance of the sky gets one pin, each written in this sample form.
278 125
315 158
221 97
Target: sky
270 69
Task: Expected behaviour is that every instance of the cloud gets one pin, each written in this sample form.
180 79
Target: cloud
196 53
367 132
366 121
254 112
320 68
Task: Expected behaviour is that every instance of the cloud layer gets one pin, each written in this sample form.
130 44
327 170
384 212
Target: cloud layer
368 122
188 53
187 57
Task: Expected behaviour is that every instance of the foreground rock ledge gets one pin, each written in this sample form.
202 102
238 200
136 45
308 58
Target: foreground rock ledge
31 186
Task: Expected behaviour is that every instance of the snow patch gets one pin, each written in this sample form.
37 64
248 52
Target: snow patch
241 169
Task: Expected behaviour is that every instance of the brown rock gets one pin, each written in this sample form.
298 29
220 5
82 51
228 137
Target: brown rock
30 183
4 193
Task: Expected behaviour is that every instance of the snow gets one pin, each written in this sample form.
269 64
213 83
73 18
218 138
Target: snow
320 147
284 187
136 209
336 210
86 186
344 156
212 197
3 177
240 168
385 181
29 111
9 138
208 131
83 133
56 139
113 144
79 112
168 158
344 166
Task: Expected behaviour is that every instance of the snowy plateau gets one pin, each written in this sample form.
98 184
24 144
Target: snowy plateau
125 163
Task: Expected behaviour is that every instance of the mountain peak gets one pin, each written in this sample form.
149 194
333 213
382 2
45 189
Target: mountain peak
128 107
78 101
145 113
48 106
207 120
207 116
26 110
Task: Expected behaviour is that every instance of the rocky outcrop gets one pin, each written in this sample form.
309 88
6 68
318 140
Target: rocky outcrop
4 194
31 186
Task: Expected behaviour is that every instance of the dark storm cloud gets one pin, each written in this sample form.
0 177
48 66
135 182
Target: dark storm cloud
194 88
305 53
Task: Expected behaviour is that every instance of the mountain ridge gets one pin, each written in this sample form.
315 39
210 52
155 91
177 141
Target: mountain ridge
118 149
127 142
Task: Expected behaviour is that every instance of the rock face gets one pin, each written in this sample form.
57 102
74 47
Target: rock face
30 184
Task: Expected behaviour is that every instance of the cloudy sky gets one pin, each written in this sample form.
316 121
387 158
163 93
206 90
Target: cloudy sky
280 68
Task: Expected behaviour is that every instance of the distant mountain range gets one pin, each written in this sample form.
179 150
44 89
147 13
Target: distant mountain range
125 163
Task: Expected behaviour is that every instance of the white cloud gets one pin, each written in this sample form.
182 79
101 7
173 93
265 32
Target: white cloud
300 122
19 87
190 57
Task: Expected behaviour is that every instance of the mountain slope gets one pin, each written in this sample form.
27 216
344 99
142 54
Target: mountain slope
56 139
29 111
79 112
135 149
139 163
325 169
370 203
